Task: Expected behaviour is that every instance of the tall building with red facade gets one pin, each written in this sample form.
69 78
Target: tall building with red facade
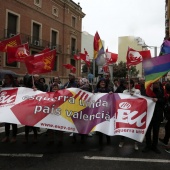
56 24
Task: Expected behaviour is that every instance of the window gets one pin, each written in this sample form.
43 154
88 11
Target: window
12 25
73 62
56 63
38 3
53 39
36 34
73 46
11 31
55 11
73 22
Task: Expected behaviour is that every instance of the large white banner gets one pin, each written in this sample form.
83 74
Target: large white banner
78 111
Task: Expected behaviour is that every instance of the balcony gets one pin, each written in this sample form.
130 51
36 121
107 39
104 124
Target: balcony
35 42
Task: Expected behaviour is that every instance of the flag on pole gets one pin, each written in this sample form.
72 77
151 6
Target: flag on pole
70 67
111 57
83 56
98 48
17 53
41 63
135 57
165 47
105 68
155 68
12 42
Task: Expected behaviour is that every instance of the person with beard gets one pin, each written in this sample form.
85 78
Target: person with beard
157 95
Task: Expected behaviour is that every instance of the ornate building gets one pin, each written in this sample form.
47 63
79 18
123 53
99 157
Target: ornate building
56 24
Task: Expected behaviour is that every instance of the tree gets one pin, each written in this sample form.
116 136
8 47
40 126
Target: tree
85 68
120 70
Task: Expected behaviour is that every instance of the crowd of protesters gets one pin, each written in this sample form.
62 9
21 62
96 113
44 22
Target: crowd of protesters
159 92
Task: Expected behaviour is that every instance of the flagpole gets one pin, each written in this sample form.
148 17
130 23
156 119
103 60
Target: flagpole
129 79
93 74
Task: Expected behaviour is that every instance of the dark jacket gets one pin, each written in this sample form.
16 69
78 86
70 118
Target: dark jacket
159 107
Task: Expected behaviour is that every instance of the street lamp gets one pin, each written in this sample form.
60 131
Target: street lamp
141 42
155 49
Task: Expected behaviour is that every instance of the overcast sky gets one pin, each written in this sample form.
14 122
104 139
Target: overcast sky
116 18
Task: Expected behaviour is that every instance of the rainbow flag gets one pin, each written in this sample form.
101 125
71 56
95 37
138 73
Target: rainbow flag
165 47
155 68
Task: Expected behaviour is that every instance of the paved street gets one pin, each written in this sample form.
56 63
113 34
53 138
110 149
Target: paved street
78 156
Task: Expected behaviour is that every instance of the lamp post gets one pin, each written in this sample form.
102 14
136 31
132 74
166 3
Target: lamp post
141 42
155 49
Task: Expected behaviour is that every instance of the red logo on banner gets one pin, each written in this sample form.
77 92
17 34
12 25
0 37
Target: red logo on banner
38 107
130 115
8 96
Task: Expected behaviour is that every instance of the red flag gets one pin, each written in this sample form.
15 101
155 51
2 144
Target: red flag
85 57
17 53
77 57
111 57
105 68
70 67
45 50
41 63
13 41
135 57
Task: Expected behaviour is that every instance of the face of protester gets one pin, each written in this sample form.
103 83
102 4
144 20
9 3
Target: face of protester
71 78
36 78
116 83
102 84
7 80
56 80
55 88
156 84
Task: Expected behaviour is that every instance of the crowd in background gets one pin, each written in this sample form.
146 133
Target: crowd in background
159 92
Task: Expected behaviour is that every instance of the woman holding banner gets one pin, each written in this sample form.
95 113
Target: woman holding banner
130 90
102 87
9 82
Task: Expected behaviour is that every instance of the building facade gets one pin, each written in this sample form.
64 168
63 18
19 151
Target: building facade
56 24
129 41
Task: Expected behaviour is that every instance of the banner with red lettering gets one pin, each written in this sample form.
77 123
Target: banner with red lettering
78 111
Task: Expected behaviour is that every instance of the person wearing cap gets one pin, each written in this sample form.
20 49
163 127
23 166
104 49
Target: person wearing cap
132 91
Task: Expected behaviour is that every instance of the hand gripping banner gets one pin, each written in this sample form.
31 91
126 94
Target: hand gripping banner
78 111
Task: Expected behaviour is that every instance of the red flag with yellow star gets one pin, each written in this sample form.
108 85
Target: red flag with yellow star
41 63
12 42
17 53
